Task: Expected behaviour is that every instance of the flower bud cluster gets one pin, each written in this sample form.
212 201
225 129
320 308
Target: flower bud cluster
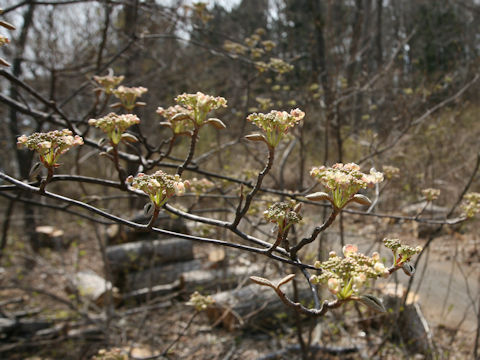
431 194
108 82
280 66
346 276
200 302
471 205
401 253
199 105
114 125
264 103
4 40
345 180
128 96
284 214
275 64
178 119
390 172
159 186
50 145
235 48
200 186
276 123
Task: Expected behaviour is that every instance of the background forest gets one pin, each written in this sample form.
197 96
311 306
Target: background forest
389 85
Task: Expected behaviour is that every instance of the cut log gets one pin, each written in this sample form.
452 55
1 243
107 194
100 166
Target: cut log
142 254
250 305
410 325
158 275
407 321
117 234
92 287
190 281
51 237
23 327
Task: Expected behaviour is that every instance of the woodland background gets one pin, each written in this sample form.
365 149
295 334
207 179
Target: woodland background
381 82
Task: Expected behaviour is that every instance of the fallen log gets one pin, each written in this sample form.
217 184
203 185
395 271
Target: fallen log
118 234
217 279
158 275
250 305
189 281
141 295
142 254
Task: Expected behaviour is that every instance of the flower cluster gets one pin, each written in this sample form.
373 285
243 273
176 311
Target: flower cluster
235 48
200 186
401 253
4 40
279 66
50 145
344 181
264 103
115 125
431 194
178 119
108 82
128 96
390 172
345 276
159 186
200 302
284 214
275 124
199 105
472 204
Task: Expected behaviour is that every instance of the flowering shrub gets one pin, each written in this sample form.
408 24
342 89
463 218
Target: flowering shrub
401 253
343 181
115 125
198 106
159 186
3 40
178 119
471 205
275 124
200 302
390 172
283 214
346 276
200 186
50 145
431 194
128 97
108 82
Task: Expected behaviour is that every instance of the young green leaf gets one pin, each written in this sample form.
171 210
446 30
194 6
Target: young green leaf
372 302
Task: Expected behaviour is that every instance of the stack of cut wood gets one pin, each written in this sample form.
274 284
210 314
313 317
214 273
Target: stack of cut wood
150 267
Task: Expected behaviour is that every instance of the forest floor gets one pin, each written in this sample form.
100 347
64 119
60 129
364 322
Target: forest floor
445 286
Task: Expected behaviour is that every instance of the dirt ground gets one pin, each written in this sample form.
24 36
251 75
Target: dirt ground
445 285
